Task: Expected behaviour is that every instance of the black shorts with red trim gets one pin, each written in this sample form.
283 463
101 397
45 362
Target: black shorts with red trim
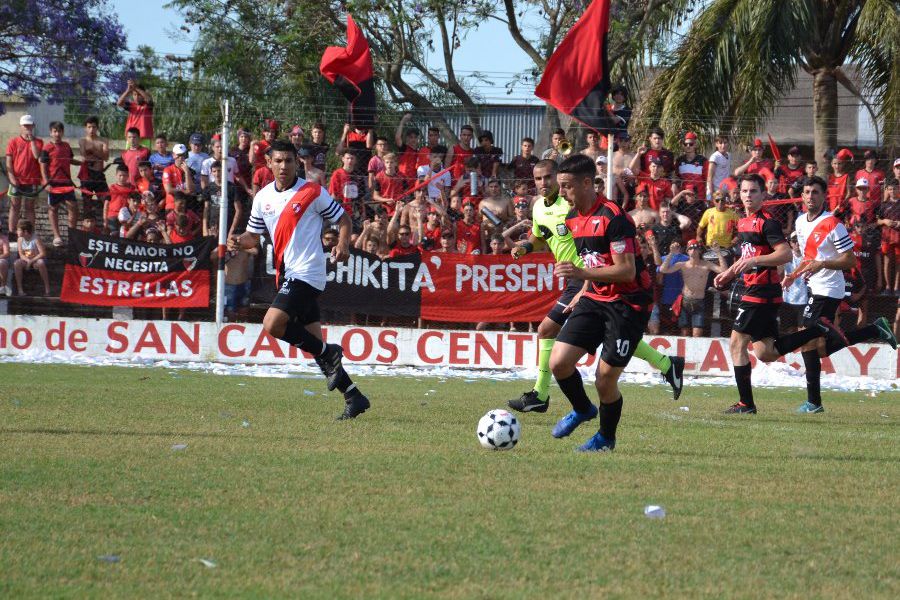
299 300
556 314
758 320
615 325
55 196
820 306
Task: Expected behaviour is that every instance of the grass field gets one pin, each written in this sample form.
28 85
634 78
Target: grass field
403 503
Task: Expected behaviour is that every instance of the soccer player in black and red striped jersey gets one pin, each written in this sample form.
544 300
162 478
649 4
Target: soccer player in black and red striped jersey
613 309
763 250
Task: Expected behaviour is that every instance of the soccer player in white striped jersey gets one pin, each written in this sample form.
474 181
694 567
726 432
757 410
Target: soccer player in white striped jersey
294 211
827 252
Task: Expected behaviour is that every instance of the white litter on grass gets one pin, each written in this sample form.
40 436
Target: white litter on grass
207 563
177 447
245 424
653 511
109 558
771 375
308 393
684 408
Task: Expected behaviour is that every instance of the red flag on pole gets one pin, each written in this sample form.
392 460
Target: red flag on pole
576 79
774 148
350 70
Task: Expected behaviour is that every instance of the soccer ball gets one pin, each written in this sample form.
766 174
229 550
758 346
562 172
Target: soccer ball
498 430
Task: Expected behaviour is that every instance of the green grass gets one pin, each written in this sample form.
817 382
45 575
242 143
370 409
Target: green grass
403 503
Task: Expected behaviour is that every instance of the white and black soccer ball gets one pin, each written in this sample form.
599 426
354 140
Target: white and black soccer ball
498 430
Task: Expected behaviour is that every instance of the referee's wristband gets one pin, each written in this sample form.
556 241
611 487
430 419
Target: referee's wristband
528 246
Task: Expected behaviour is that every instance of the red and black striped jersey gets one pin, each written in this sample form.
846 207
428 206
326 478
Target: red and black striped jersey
759 234
600 233
692 173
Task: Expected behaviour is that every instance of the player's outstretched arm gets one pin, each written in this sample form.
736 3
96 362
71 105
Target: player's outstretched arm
245 241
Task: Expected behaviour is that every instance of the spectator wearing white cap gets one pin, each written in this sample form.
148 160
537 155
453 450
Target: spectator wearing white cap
23 170
861 205
893 178
177 176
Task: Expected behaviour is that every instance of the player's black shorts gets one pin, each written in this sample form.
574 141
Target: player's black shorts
820 306
556 314
298 299
791 315
616 325
758 320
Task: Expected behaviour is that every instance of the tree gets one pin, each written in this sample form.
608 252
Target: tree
54 49
740 57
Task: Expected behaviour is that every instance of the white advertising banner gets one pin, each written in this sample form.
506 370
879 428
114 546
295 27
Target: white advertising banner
247 344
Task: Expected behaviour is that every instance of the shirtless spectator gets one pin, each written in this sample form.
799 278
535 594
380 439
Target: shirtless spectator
374 230
94 152
593 150
310 171
719 166
139 109
756 162
620 193
522 166
520 225
553 152
32 256
695 274
238 268
643 216
489 156
461 152
390 185
56 161
495 208
134 153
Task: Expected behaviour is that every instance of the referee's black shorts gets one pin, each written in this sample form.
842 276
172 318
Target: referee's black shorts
298 299
556 314
820 306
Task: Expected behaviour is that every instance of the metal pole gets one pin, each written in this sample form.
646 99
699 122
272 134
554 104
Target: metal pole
609 169
223 221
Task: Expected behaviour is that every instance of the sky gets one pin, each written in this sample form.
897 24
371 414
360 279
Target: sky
490 40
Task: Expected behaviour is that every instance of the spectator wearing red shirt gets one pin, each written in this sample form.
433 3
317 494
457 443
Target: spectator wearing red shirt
56 161
376 163
691 168
118 198
194 223
260 148
888 215
522 166
468 232
840 188
407 148
489 156
262 177
862 205
432 141
139 109
658 188
389 184
23 171
756 162
641 161
790 173
177 176
359 141
134 153
343 187
404 245
459 153
874 176
145 182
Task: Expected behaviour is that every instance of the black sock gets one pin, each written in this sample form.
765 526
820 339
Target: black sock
813 365
745 388
573 388
344 384
296 334
854 337
792 341
609 418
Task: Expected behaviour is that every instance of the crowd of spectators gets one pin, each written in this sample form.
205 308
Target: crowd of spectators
406 196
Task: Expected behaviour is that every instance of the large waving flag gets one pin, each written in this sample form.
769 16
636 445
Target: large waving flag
576 79
350 70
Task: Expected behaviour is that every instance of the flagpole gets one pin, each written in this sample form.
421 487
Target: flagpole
223 220
609 169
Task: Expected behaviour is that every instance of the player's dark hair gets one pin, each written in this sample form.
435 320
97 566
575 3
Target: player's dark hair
578 165
57 125
281 145
657 130
134 130
547 164
816 180
92 120
528 139
439 149
754 178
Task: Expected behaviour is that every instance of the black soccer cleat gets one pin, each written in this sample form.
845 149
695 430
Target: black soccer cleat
740 408
356 405
529 402
675 375
330 363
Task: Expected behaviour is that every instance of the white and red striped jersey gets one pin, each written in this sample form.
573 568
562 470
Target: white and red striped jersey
294 219
824 238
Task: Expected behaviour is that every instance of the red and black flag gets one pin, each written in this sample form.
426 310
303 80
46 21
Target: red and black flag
350 70
576 79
